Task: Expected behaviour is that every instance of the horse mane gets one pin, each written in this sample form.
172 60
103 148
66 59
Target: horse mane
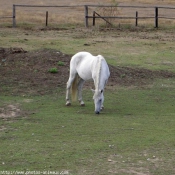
98 74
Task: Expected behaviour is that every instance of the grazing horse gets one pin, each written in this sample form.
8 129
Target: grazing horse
84 66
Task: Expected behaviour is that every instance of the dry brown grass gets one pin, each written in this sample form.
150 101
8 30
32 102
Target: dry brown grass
76 14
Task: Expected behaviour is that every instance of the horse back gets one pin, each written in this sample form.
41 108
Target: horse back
81 63
87 66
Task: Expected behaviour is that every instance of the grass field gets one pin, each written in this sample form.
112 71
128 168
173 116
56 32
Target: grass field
141 47
75 15
134 134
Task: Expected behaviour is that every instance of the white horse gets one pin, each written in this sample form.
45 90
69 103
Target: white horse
87 67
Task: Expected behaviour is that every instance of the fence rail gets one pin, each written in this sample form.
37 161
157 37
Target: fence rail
39 6
156 16
154 11
2 17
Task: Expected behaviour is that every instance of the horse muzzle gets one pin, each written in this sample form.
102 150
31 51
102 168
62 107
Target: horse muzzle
97 112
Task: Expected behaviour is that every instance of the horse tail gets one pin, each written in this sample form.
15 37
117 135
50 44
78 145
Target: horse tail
74 89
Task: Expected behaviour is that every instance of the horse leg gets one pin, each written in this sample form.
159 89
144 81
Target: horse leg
80 85
102 107
69 83
68 103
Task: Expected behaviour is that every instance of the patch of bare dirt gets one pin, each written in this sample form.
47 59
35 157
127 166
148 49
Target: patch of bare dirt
10 111
27 73
2 128
127 76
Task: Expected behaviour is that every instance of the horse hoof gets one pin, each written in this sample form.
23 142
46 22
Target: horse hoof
68 104
82 104
102 108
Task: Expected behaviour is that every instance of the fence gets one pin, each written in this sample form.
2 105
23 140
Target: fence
153 14
136 13
61 13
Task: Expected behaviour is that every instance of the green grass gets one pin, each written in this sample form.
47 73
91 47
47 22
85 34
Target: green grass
136 130
60 63
152 49
53 70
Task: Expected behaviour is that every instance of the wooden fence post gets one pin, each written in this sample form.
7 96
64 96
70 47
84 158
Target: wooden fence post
46 18
93 18
136 18
86 15
156 17
103 18
14 16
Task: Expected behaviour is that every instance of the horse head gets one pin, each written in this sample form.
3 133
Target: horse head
98 100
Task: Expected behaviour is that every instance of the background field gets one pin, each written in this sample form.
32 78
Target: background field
74 16
133 135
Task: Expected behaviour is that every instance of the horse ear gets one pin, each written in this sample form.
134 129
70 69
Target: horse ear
93 90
